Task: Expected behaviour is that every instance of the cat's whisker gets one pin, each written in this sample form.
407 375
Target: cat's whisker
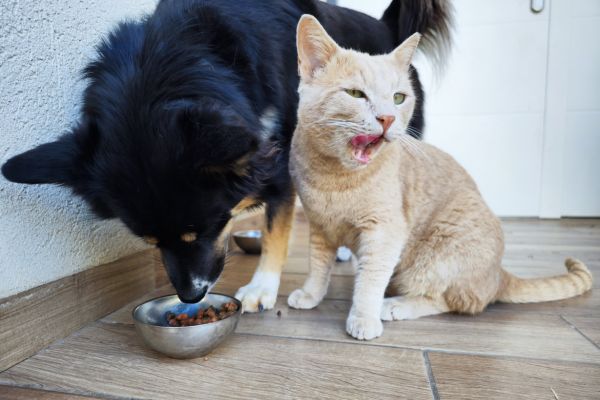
406 139
347 126
408 148
412 147
414 131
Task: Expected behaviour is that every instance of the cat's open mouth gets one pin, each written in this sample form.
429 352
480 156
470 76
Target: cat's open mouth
364 146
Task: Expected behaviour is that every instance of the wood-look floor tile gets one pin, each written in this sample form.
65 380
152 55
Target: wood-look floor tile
588 325
541 336
474 377
17 393
110 360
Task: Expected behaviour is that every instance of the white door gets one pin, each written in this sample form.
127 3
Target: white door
572 180
513 76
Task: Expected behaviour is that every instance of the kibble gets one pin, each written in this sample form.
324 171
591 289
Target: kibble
204 316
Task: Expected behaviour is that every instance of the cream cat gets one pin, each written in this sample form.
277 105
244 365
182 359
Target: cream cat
413 217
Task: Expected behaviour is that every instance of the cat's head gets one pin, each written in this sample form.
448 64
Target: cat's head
351 103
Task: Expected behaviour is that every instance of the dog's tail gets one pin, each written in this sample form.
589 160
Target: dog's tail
576 281
432 18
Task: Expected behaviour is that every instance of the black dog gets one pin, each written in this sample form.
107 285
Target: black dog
187 120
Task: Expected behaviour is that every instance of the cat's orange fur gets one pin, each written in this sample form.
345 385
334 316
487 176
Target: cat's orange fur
413 217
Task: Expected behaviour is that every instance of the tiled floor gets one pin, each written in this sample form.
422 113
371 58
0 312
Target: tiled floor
533 351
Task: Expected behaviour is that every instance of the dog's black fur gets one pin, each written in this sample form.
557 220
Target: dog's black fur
170 137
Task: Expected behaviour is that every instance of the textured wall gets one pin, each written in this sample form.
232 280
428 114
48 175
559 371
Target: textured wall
45 233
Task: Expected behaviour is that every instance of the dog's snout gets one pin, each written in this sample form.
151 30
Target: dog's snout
193 294
193 270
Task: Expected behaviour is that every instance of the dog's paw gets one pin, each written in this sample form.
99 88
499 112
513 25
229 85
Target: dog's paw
256 298
302 300
260 294
364 328
394 309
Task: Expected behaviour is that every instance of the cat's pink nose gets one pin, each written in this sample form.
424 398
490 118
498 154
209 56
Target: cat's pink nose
386 121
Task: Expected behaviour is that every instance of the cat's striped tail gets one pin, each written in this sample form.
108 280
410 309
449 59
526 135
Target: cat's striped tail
431 18
576 281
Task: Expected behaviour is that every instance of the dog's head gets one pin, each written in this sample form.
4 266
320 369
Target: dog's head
172 174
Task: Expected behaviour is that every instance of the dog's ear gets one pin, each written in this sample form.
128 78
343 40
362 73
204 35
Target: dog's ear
55 162
216 136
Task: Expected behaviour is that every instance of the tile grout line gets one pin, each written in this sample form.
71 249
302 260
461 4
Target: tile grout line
579 331
430 376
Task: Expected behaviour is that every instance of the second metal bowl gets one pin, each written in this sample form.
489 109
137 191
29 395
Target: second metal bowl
249 241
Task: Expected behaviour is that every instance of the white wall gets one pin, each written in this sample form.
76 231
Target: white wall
45 233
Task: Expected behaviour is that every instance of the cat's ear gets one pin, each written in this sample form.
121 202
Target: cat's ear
315 46
405 52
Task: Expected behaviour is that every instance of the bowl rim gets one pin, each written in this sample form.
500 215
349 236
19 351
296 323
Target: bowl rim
135 320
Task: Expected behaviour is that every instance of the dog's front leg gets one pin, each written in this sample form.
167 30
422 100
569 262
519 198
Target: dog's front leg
261 293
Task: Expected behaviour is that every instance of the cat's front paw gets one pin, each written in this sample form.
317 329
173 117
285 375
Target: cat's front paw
302 300
364 328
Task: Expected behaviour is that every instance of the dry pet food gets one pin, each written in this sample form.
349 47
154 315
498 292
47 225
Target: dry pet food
204 316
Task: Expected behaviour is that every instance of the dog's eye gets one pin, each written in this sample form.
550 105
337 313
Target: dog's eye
399 98
189 237
151 240
359 94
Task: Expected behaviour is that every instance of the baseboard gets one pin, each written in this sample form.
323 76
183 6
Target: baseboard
32 320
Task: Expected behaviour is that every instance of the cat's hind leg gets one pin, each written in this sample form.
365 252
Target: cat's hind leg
402 307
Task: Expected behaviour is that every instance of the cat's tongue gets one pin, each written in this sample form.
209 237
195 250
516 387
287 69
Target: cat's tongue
360 145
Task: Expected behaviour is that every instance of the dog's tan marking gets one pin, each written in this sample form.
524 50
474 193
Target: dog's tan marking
246 203
189 237
275 241
221 242
240 166
151 240
261 293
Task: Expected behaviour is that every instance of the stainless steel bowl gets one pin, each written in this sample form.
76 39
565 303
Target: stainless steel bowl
187 341
249 241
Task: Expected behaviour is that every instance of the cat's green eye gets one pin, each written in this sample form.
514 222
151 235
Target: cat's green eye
399 98
359 94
